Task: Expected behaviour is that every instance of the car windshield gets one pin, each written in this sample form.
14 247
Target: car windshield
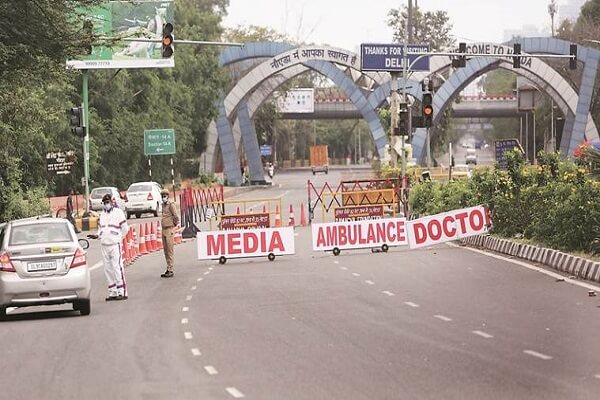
142 187
98 193
39 234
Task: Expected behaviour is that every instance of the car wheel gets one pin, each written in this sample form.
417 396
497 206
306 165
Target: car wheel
156 211
128 215
138 215
2 312
84 306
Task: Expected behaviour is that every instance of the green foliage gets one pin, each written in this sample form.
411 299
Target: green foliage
554 204
430 27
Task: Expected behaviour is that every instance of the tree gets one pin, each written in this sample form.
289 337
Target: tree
430 27
590 11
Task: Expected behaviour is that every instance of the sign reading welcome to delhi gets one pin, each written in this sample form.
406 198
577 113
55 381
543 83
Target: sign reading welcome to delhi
212 245
159 142
390 57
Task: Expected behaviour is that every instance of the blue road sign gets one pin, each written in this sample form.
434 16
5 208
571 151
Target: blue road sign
501 147
266 150
390 57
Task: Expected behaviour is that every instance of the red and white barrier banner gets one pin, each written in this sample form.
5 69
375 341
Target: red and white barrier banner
448 226
245 243
358 213
359 234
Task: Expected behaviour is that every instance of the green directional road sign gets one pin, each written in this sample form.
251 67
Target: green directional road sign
158 142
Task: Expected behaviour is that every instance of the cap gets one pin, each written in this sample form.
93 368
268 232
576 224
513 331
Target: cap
164 192
107 197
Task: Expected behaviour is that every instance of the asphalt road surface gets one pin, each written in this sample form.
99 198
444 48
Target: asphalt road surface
437 323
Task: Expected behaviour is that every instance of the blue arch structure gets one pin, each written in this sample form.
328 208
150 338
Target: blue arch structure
320 59
262 67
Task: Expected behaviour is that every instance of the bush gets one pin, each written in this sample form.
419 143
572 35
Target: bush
554 204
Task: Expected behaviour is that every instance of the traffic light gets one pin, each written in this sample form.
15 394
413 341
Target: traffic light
167 41
402 120
461 61
427 109
573 54
516 55
77 121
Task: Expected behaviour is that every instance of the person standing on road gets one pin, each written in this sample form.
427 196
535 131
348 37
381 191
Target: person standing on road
169 221
112 227
70 210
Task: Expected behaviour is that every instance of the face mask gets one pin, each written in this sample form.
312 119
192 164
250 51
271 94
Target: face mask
165 199
107 206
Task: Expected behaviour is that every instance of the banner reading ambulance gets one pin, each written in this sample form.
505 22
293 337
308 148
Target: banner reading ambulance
448 226
268 242
338 236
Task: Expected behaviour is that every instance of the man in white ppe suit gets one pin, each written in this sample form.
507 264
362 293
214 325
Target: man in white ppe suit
112 227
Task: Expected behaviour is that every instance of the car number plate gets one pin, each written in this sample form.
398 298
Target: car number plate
41 266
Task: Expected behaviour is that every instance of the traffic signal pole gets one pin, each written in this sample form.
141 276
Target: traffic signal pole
86 140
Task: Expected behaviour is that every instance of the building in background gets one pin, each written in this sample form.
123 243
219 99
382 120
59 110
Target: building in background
525 31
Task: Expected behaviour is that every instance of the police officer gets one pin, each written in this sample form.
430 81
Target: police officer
112 227
170 219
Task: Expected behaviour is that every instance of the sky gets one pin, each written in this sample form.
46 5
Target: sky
348 23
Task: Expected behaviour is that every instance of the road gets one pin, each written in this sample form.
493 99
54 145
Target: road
439 323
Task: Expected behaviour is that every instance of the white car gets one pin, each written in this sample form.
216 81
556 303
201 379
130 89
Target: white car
143 197
97 194
42 262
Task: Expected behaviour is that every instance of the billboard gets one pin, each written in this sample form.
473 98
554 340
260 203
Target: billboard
124 19
296 101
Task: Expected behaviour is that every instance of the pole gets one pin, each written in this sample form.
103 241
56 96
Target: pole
552 144
527 136
173 180
150 167
86 140
393 120
521 129
359 147
410 24
450 161
428 148
534 155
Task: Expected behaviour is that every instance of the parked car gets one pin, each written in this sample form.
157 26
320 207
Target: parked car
143 197
471 157
42 262
97 194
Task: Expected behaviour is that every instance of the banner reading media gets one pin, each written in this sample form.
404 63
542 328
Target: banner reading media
124 19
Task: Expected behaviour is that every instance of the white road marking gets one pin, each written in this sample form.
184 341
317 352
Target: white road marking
369 282
344 268
187 335
597 376
355 274
483 334
236 394
194 287
210 268
196 352
538 355
388 293
336 262
443 318
411 304
211 370
96 266
188 297
184 320
207 272
185 309
199 279
529 266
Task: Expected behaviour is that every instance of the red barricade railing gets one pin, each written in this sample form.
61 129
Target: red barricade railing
195 206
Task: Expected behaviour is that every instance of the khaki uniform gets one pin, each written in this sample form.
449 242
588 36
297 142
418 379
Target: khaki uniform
169 220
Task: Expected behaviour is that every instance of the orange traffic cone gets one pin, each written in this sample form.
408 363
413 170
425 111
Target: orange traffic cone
277 217
292 220
238 210
124 252
178 238
130 248
159 243
136 243
302 215
152 246
264 209
143 248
